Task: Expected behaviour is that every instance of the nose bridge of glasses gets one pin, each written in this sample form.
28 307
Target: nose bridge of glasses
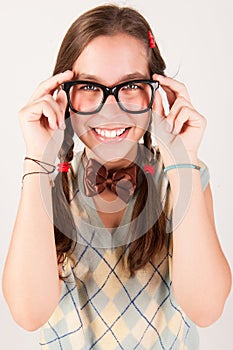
108 91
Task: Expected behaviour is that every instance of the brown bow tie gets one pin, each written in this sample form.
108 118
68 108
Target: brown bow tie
121 182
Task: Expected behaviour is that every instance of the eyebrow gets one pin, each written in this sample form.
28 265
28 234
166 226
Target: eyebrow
131 76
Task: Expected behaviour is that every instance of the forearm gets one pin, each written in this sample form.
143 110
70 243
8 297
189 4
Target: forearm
201 275
30 279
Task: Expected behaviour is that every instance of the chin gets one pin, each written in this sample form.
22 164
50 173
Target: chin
111 152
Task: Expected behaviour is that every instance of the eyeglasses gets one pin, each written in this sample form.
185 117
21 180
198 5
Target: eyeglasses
86 97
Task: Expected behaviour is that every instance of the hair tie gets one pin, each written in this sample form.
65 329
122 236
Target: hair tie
63 167
149 169
151 39
178 166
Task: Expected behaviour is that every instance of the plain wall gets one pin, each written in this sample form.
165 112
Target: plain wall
195 38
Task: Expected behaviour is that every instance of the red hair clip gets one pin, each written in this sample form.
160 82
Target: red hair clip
63 167
151 39
149 169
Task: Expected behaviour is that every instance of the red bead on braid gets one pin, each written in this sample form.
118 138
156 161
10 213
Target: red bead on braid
149 169
151 39
63 167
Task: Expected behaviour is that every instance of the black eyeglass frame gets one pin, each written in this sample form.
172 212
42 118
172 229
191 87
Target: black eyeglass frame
107 91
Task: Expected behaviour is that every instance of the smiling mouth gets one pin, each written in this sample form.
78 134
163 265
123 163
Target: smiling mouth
111 134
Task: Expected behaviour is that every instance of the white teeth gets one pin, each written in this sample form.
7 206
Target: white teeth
113 133
120 131
109 133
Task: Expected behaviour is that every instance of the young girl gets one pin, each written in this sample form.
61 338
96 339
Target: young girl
121 251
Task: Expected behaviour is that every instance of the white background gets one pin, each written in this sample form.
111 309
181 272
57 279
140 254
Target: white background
195 38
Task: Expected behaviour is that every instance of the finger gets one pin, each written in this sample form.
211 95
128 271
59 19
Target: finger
172 87
62 102
50 85
36 111
58 106
187 117
55 106
179 103
171 96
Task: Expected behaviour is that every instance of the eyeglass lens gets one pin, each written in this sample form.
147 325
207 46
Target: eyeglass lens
132 96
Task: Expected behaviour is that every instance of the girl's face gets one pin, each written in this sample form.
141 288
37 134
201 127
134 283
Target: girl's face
111 135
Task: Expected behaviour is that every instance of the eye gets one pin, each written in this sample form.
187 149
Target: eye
89 87
131 86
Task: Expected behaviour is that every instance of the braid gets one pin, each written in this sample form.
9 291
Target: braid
148 143
64 226
149 207
66 155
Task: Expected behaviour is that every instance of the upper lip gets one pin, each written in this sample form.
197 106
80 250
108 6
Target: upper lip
110 128
114 124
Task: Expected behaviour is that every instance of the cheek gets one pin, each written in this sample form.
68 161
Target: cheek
142 122
79 124
81 129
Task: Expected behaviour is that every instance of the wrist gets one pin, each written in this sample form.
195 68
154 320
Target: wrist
180 159
181 166
33 166
37 163
41 156
183 180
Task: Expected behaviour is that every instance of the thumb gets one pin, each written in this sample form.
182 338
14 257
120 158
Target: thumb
158 104
158 109
61 100
162 134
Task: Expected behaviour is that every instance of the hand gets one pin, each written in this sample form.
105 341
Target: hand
179 133
42 119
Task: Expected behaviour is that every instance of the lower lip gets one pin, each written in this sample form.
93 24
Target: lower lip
111 139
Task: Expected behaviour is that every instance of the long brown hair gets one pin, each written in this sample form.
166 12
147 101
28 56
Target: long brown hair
110 20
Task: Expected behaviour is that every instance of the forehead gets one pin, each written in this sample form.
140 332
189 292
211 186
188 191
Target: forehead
112 57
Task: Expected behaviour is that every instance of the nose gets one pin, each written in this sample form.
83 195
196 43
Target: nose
110 106
111 99
110 110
